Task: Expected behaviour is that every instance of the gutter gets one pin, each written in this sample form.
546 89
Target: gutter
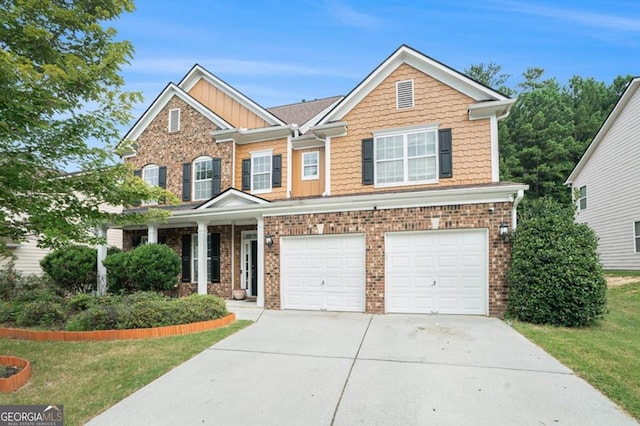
514 214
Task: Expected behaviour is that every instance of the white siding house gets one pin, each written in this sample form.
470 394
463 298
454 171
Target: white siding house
606 184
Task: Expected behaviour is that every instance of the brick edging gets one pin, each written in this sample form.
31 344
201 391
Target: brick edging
18 380
135 333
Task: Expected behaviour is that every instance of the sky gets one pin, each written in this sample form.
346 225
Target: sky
278 52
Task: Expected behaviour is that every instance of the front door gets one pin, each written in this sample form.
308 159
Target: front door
249 267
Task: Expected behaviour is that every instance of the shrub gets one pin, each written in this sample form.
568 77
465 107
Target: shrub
153 267
198 307
118 280
146 313
46 314
10 280
102 317
555 277
72 268
9 311
81 302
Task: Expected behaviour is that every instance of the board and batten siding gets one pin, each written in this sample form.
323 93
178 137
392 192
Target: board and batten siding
613 195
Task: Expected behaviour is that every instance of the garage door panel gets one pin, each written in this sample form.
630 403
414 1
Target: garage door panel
455 260
332 272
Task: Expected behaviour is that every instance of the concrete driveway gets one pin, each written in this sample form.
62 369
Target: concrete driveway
322 368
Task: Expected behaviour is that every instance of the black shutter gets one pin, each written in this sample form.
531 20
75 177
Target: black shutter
276 171
246 174
136 241
162 239
186 258
367 162
216 176
137 173
215 258
186 182
446 156
162 177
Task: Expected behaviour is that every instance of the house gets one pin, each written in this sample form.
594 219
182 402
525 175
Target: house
605 182
387 199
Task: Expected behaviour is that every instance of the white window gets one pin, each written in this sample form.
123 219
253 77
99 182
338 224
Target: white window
202 178
582 200
174 120
194 257
406 158
151 175
404 94
310 165
261 172
636 236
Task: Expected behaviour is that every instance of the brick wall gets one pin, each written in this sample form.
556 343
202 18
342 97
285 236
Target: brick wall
374 223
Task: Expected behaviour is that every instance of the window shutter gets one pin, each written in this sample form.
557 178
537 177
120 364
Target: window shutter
404 94
367 161
246 174
215 258
174 120
186 258
162 239
137 173
186 182
276 171
216 176
162 177
136 240
446 156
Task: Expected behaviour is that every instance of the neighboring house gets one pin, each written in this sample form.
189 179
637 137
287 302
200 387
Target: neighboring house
605 184
385 200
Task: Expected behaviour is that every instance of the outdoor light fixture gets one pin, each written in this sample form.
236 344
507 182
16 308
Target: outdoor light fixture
504 232
268 240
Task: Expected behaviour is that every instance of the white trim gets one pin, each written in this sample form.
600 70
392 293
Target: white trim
228 196
203 268
289 168
317 164
171 112
327 167
307 142
435 69
149 168
613 116
495 149
635 237
260 154
201 158
243 136
304 127
405 129
488 109
198 73
260 263
401 95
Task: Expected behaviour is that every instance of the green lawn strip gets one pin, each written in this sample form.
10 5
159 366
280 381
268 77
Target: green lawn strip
622 273
89 377
606 355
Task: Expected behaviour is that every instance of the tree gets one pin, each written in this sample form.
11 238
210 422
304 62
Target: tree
61 89
490 75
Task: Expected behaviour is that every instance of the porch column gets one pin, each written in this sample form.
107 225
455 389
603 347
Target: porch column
102 254
260 298
152 233
202 258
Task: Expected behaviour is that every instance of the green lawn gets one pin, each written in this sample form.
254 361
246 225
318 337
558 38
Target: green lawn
622 273
606 355
89 377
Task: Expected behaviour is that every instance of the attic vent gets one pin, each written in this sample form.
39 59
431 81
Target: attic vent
174 120
404 94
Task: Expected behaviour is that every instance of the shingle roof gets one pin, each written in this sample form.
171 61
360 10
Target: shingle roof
301 112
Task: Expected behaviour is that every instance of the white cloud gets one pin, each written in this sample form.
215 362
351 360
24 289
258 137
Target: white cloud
349 16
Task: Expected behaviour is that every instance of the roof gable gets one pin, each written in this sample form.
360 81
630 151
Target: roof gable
161 101
628 94
423 63
303 112
231 198
198 73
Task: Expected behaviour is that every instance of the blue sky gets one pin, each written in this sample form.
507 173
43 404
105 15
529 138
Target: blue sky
282 51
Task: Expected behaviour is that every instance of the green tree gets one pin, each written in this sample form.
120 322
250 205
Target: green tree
491 75
61 89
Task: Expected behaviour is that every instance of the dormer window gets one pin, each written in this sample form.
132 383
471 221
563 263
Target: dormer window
404 94
174 120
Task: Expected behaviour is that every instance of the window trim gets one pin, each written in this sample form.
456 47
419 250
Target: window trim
636 238
316 176
411 92
194 258
146 168
169 128
582 198
404 132
201 158
259 154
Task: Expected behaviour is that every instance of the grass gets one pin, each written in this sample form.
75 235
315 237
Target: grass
89 377
606 355
616 273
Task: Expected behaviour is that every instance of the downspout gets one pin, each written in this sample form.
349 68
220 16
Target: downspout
514 214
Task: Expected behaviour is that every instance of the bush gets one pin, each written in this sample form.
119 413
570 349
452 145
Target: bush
146 313
47 314
118 280
10 280
73 268
154 267
555 277
198 307
9 311
101 317
81 302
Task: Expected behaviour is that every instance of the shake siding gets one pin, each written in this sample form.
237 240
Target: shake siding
613 195
435 103
225 106
278 146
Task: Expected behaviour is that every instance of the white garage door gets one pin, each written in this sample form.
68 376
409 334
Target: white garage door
323 272
436 272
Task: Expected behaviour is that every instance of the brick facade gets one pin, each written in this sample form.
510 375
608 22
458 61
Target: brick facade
373 224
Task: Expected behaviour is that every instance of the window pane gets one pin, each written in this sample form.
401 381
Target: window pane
310 171
262 181
151 175
390 171
417 144
310 158
637 228
202 189
431 143
194 257
261 172
203 169
389 148
417 169
261 164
